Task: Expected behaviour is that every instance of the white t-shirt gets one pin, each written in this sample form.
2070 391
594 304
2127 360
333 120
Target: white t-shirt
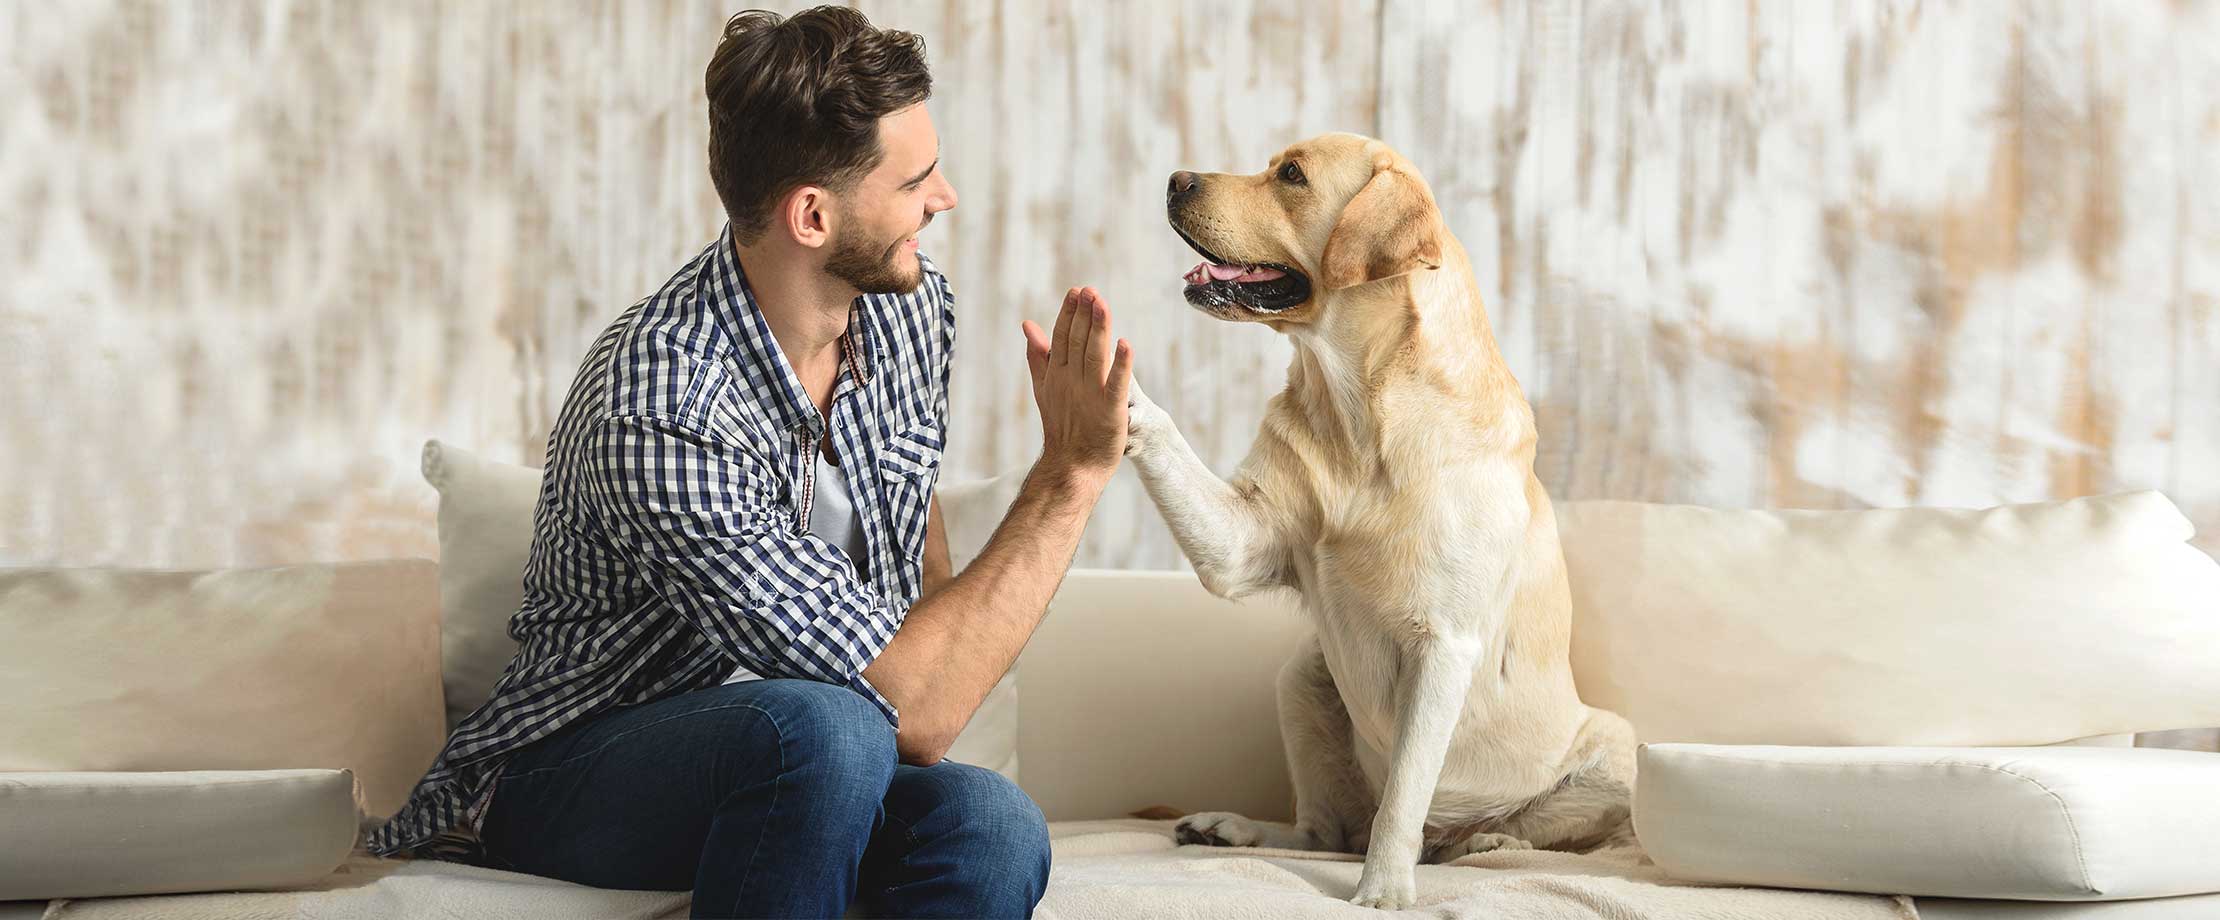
832 517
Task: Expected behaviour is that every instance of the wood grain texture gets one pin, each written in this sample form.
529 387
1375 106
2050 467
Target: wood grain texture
1811 255
1846 255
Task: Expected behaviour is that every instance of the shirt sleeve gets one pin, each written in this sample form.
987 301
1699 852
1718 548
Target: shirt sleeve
701 518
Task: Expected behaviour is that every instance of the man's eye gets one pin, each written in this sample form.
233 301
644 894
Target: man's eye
1290 171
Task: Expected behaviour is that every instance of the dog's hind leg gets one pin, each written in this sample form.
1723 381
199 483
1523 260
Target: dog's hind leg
1589 807
1332 801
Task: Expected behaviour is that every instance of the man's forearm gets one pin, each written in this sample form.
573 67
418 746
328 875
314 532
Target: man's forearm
957 642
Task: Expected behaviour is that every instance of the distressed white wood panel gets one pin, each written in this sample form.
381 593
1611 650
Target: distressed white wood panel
1837 255
261 250
1790 254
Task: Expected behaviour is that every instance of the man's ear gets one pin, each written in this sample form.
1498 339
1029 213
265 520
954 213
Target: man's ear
1390 228
805 216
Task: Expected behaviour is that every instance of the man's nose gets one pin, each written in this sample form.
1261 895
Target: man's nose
1183 186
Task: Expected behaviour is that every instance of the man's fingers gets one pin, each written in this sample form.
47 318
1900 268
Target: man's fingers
1036 352
1121 373
1082 325
1056 353
1099 342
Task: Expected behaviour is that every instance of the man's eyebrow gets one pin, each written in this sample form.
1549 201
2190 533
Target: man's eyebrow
921 176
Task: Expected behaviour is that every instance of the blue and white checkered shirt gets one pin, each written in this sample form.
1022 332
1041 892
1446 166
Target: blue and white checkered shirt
671 540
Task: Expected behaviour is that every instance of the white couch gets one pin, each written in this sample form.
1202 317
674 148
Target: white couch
1768 657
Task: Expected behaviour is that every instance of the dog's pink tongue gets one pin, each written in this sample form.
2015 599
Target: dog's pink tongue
1207 272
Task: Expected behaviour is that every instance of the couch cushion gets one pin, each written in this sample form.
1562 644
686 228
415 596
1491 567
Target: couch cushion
1103 869
1142 688
332 666
485 534
2052 823
71 835
485 537
2028 624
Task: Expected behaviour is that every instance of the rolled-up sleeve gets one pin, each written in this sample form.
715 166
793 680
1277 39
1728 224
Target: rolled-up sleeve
701 518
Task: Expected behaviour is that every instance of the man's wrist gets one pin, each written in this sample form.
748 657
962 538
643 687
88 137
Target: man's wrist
1069 480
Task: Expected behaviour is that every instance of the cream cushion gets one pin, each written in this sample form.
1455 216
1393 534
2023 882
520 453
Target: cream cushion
2059 824
2022 625
485 535
305 666
485 538
1142 689
69 835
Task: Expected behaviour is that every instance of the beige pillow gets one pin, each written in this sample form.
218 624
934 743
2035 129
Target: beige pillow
306 666
2021 625
485 536
1145 689
2052 824
87 835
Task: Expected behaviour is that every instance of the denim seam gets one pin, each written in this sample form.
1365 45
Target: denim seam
740 895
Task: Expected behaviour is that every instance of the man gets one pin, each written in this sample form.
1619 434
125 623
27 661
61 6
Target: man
740 483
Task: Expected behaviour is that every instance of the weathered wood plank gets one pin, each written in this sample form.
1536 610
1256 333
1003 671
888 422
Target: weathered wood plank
1822 255
1847 255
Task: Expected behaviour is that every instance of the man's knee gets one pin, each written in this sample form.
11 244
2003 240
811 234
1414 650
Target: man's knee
828 731
1003 825
1017 830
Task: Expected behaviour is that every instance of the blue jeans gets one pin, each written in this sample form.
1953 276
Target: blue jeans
768 798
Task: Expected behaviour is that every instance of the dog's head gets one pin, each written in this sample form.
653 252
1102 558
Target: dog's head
1328 214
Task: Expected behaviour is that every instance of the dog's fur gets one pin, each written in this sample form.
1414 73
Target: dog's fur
1393 486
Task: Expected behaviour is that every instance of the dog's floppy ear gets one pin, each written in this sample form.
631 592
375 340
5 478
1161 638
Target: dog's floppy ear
1391 227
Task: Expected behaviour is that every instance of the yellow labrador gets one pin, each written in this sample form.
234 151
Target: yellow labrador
1393 486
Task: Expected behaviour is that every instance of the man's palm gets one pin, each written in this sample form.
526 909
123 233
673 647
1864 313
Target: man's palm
1081 375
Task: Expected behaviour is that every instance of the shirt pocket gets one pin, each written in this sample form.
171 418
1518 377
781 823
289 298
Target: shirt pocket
908 464
913 452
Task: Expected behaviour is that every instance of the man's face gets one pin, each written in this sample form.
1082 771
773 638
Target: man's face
876 222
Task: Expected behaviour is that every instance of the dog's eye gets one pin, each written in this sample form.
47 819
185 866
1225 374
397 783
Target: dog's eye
1292 172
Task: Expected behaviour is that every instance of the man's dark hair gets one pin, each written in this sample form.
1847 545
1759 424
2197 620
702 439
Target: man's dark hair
797 101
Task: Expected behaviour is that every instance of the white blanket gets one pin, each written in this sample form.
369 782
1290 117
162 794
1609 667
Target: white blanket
1106 869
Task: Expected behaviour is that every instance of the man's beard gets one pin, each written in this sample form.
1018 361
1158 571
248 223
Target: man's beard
871 268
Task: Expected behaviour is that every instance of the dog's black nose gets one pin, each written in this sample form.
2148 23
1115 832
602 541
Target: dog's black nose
1183 185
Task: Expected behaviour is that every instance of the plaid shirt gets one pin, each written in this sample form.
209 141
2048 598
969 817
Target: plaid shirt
671 540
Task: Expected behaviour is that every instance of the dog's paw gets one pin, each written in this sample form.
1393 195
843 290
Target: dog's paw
1219 829
1385 887
1481 843
1144 422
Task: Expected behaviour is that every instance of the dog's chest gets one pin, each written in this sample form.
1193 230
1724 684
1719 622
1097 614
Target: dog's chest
1401 562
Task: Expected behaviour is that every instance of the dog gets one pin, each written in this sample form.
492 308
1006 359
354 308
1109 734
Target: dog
1433 715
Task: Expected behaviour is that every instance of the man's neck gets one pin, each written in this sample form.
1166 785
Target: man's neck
806 309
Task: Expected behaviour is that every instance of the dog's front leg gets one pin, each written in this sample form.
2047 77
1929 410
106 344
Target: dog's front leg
1430 693
1220 526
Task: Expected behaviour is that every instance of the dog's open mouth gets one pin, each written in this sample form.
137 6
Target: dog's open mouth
1265 287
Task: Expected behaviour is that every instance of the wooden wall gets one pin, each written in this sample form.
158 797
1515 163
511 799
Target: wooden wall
1810 254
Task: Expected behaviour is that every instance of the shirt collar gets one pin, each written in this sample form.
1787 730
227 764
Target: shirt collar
763 364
